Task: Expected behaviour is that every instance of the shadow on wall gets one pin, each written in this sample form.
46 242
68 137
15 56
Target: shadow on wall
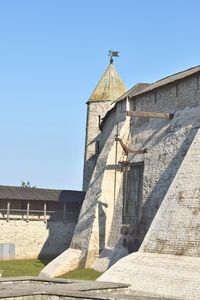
90 163
158 193
81 240
84 230
132 236
60 220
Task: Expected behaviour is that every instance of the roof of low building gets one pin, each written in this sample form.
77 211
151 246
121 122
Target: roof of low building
39 194
110 87
144 88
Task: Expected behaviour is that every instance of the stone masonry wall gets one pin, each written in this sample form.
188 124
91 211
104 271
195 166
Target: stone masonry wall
167 141
169 98
175 229
35 238
167 263
93 136
97 210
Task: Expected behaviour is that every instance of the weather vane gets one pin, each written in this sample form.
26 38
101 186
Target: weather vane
113 54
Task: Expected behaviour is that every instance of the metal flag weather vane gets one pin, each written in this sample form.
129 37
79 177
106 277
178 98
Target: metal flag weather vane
113 54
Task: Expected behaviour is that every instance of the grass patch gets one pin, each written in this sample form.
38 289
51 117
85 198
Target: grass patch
21 267
83 274
32 267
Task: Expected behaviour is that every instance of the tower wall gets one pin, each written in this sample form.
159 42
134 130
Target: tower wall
95 112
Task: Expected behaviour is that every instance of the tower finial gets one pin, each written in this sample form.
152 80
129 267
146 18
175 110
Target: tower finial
113 54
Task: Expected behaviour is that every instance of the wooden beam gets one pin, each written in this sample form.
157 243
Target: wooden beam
27 211
8 210
45 211
127 150
144 114
64 212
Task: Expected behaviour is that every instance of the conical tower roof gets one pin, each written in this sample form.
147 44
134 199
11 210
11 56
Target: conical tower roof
110 87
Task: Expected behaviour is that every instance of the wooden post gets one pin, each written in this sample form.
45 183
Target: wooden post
45 211
8 210
27 211
64 212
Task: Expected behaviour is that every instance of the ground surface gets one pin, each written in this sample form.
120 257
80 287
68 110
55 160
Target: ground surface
36 288
32 267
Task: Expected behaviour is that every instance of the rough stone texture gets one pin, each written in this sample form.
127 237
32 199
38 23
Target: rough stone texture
36 238
157 275
33 288
109 256
69 260
167 142
175 229
23 287
95 111
93 230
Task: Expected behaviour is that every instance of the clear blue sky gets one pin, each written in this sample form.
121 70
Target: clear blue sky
52 54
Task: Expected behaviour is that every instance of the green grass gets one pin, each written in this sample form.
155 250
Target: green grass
32 267
84 274
18 267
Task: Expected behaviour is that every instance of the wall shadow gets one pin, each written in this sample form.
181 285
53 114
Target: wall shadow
154 201
61 223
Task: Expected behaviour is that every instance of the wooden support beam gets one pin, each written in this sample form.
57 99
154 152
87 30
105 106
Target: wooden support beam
127 150
27 211
113 167
64 212
45 211
8 210
144 114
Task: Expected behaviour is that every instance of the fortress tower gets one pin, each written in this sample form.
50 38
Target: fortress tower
108 89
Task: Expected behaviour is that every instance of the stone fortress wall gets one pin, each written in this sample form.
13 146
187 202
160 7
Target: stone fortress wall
37 222
95 112
168 261
98 238
167 142
36 238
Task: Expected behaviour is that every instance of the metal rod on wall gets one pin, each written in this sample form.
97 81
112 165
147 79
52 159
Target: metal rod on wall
115 175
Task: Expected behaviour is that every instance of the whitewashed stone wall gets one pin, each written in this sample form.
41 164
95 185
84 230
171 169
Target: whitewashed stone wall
157 276
94 110
167 143
168 262
98 212
36 238
175 228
